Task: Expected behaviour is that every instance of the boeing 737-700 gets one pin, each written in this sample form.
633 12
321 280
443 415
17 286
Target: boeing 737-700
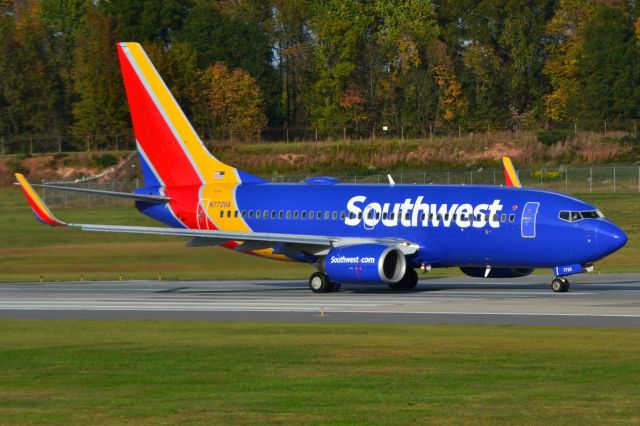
351 233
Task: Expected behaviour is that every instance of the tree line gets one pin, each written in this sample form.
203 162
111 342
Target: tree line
236 66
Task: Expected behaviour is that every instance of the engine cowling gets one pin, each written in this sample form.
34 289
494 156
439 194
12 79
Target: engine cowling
496 272
375 263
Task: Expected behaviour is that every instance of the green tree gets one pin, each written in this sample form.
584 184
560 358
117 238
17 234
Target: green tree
225 35
607 66
30 92
101 106
148 20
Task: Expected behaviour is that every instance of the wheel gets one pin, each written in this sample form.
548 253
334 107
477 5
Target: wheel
408 281
560 285
319 282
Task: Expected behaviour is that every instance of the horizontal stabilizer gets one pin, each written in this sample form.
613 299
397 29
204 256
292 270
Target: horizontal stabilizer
139 197
40 209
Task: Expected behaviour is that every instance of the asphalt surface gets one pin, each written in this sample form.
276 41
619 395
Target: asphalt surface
606 300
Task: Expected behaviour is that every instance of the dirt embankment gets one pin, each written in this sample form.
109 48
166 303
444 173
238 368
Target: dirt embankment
69 167
350 157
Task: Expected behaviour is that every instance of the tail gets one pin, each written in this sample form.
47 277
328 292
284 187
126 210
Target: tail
171 152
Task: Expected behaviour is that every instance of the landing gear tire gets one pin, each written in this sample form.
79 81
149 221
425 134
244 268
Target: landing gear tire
319 282
336 286
560 285
408 282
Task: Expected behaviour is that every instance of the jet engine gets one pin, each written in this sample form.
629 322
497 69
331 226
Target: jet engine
375 263
496 272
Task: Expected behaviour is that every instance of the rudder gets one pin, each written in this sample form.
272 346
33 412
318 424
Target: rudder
171 152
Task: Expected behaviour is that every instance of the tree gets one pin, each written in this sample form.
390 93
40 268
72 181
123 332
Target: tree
222 35
158 21
234 102
101 107
607 66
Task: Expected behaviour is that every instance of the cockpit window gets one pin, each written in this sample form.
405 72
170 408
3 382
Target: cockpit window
571 216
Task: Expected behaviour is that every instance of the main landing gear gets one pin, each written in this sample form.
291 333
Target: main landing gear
408 282
560 285
319 282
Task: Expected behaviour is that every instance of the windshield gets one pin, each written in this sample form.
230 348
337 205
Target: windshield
574 216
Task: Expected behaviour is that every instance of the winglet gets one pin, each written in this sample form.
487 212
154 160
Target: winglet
510 174
40 210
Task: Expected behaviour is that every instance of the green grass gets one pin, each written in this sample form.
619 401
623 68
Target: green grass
92 372
29 250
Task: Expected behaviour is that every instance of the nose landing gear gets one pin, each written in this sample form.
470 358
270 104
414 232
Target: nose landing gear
560 285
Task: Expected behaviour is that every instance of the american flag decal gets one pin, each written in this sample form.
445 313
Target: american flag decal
218 175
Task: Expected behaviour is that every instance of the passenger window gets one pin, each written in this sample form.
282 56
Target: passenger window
326 215
295 214
273 214
244 213
370 214
221 213
288 214
235 213
258 214
304 214
343 215
446 216
334 215
352 215
503 217
422 215
360 215
312 214
280 214
512 218
266 214
250 214
392 215
319 215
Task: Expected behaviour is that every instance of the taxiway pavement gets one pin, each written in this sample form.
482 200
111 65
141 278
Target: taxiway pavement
596 300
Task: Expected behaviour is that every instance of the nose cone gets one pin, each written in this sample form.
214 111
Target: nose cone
609 238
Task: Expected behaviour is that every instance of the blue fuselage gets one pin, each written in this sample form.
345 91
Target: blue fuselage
453 225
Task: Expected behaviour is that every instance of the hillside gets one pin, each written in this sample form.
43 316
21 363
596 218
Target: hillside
362 157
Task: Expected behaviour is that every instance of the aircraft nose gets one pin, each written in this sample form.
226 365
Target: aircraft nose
610 238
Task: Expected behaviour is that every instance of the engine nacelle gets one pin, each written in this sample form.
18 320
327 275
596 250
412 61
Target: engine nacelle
373 263
496 272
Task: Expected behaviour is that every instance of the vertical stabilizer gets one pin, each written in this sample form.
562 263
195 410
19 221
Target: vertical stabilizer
171 152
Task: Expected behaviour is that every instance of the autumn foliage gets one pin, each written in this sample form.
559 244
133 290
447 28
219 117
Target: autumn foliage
234 102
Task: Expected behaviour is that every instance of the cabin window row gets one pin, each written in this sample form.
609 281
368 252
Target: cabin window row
326 215
281 214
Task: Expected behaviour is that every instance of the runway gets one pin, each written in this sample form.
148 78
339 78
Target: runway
598 300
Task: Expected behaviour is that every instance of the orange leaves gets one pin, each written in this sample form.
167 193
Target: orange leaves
234 101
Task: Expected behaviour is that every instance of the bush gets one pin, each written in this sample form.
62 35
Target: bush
552 136
105 160
15 165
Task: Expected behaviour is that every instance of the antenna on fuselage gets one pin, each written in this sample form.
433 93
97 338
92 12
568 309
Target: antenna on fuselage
391 181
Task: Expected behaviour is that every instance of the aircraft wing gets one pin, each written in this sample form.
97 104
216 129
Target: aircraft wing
313 244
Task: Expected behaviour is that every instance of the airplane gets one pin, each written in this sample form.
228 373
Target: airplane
351 233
